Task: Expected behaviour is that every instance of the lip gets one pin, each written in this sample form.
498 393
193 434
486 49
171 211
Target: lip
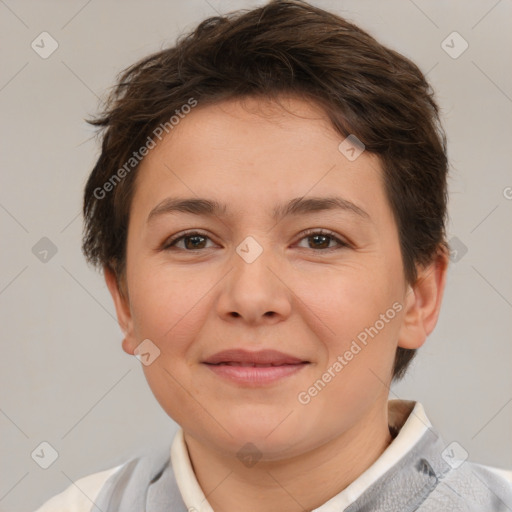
272 357
254 369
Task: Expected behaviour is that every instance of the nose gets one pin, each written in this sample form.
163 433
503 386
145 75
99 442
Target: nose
255 291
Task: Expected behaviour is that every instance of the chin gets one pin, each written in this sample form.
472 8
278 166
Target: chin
252 449
269 436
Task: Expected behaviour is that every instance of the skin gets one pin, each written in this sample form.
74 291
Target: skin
297 297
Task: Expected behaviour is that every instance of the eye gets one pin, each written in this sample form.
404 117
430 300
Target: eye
192 241
321 240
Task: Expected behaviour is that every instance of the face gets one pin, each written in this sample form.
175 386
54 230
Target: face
306 280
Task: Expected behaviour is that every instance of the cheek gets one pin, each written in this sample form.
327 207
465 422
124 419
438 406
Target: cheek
353 311
168 307
346 299
154 301
167 312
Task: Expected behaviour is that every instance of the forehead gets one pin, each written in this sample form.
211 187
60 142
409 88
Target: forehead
252 153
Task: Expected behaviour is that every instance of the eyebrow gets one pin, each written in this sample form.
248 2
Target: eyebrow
296 206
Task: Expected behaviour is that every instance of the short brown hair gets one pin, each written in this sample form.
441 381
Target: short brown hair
283 47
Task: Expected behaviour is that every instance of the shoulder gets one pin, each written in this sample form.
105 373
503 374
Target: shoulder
90 491
498 476
80 495
505 474
471 487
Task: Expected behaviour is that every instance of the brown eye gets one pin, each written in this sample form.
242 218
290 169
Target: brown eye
320 240
191 241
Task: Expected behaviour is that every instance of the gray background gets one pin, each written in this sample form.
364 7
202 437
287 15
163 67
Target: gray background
64 376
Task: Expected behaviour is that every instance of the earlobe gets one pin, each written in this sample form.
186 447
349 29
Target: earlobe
123 312
423 303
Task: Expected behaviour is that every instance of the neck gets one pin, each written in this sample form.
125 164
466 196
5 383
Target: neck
303 482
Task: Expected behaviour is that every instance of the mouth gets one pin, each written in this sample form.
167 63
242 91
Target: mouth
254 365
259 358
254 369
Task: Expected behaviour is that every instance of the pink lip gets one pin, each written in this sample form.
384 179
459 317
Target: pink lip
254 368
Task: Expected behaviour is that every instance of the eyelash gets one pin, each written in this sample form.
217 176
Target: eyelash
170 243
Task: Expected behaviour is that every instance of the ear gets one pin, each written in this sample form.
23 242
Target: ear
423 303
124 316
